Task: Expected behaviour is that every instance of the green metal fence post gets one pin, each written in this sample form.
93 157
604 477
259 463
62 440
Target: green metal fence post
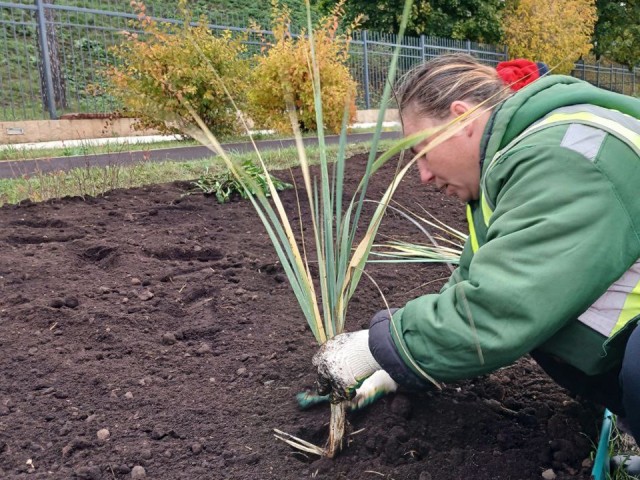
45 62
365 67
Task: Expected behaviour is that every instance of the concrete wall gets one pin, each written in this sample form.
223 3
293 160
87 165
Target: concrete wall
32 131
72 129
371 116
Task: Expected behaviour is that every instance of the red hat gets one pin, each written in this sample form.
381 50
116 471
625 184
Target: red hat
518 73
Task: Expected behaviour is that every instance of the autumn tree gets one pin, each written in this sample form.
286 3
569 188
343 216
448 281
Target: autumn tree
557 33
282 78
617 32
477 20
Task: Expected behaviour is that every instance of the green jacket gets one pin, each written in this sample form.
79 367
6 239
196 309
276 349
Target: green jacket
552 262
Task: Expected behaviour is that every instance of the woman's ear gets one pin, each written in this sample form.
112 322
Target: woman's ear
459 107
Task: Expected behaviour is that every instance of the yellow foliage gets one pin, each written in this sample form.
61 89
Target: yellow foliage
167 61
552 31
285 71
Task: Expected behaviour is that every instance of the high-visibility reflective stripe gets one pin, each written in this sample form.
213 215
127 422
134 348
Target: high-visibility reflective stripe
623 133
630 310
472 230
486 209
627 121
619 304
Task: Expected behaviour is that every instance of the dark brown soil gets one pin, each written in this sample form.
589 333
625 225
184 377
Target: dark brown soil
168 321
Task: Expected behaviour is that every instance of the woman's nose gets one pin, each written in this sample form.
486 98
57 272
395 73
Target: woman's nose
425 174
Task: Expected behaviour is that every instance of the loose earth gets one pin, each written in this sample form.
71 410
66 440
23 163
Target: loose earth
149 334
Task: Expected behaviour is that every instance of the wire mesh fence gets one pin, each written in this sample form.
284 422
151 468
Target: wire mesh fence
52 54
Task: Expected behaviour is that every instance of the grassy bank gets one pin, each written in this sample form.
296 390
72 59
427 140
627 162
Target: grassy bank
94 181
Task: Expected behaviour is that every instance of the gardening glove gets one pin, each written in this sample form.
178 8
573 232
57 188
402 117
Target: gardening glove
629 464
376 386
343 363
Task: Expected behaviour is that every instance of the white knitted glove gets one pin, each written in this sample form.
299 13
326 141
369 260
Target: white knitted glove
343 363
376 386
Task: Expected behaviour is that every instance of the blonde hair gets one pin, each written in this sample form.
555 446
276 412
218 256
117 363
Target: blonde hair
430 88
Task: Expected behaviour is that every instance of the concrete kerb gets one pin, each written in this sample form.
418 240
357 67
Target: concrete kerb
94 131
20 168
137 140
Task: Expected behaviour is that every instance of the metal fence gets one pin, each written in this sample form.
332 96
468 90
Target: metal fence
51 56
612 77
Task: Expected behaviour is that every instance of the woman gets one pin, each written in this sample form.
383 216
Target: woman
550 176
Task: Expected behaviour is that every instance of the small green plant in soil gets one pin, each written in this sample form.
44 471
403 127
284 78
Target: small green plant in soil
225 185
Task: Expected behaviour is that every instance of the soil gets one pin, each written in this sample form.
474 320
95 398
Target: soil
167 320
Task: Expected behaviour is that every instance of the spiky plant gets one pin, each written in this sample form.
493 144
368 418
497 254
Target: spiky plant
444 246
324 298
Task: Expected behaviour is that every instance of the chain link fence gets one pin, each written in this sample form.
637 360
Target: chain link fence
51 55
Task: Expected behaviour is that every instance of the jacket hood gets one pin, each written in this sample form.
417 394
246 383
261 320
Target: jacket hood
541 97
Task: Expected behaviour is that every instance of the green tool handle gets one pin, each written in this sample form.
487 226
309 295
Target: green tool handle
601 468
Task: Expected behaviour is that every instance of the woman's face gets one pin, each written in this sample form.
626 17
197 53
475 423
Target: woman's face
454 165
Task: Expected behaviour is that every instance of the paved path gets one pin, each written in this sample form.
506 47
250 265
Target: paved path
16 169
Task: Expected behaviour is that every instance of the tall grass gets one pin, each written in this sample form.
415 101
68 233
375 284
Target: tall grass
340 239
341 258
442 243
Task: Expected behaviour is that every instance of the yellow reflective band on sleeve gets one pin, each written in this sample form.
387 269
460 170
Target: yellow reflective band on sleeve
593 119
630 309
486 209
472 230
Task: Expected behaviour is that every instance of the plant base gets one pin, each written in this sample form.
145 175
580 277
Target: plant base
337 426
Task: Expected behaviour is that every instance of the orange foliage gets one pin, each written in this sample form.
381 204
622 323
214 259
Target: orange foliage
167 61
555 32
286 69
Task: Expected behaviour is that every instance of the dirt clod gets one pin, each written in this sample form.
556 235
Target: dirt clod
71 302
144 295
401 406
56 303
88 473
138 472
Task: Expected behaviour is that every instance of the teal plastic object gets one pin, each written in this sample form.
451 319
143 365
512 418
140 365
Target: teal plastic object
600 469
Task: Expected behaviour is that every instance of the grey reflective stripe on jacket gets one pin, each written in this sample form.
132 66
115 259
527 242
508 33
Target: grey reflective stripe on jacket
617 306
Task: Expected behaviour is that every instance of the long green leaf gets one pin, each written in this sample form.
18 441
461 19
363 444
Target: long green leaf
386 95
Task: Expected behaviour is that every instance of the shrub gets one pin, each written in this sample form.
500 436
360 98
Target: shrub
167 61
286 70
